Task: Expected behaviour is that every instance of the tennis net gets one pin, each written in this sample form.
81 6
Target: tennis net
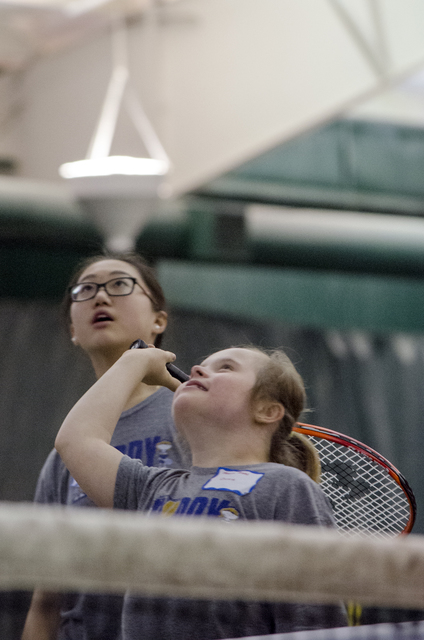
93 550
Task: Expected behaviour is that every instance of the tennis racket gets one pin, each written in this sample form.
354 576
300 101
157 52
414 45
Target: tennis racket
368 494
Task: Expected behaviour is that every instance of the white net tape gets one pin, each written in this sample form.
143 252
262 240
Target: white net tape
58 548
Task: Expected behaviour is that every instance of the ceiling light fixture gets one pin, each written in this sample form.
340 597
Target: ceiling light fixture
124 165
118 191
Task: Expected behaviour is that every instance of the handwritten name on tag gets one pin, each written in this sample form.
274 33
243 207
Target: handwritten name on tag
241 482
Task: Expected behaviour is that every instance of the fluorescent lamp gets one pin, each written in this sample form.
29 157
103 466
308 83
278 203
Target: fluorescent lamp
119 192
114 165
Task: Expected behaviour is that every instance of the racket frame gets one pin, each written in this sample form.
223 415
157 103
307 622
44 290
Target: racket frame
347 441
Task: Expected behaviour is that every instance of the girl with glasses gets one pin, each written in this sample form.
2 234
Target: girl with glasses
236 412
112 300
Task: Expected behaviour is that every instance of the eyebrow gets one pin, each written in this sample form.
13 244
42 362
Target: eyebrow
112 273
224 360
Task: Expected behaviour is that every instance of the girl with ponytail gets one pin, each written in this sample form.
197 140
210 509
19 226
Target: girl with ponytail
236 413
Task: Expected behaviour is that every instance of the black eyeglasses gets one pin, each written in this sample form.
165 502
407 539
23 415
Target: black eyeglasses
123 286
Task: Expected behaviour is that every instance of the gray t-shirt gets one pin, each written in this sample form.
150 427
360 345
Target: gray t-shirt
265 491
145 431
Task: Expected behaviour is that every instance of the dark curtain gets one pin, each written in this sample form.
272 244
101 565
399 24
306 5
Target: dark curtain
365 385
41 377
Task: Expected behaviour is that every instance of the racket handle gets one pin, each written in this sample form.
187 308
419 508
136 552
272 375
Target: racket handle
173 370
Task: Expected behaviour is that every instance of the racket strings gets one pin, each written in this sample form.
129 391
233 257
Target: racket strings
364 496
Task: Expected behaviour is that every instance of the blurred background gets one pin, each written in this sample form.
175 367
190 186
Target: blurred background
280 197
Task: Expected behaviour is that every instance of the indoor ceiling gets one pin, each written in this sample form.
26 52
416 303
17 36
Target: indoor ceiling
31 28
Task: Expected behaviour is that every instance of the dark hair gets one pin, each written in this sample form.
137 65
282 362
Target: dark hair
278 380
147 274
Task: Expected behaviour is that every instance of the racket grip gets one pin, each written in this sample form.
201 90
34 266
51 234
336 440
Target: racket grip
173 370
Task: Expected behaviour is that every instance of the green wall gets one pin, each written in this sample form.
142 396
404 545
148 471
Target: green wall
348 164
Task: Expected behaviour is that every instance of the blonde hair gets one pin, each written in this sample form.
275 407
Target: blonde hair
279 381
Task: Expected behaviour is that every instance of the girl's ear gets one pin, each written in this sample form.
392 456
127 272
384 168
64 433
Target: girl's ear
161 322
267 412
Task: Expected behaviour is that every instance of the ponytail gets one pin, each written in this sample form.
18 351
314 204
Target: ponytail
297 451
278 380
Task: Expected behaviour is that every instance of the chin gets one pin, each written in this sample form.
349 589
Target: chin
181 408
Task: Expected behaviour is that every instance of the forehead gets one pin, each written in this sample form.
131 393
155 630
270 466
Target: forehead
108 268
244 357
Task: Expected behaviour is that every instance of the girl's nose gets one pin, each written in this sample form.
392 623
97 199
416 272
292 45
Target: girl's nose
198 371
102 295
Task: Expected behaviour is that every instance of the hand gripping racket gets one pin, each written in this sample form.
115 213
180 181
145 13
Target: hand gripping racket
368 494
173 370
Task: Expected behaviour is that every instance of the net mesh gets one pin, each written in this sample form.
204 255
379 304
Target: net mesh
95 551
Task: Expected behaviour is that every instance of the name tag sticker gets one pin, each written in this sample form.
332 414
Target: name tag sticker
240 482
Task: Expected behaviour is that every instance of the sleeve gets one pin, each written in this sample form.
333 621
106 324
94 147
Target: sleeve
136 484
320 510
302 501
52 483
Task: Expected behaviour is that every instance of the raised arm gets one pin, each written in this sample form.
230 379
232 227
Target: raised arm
83 440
